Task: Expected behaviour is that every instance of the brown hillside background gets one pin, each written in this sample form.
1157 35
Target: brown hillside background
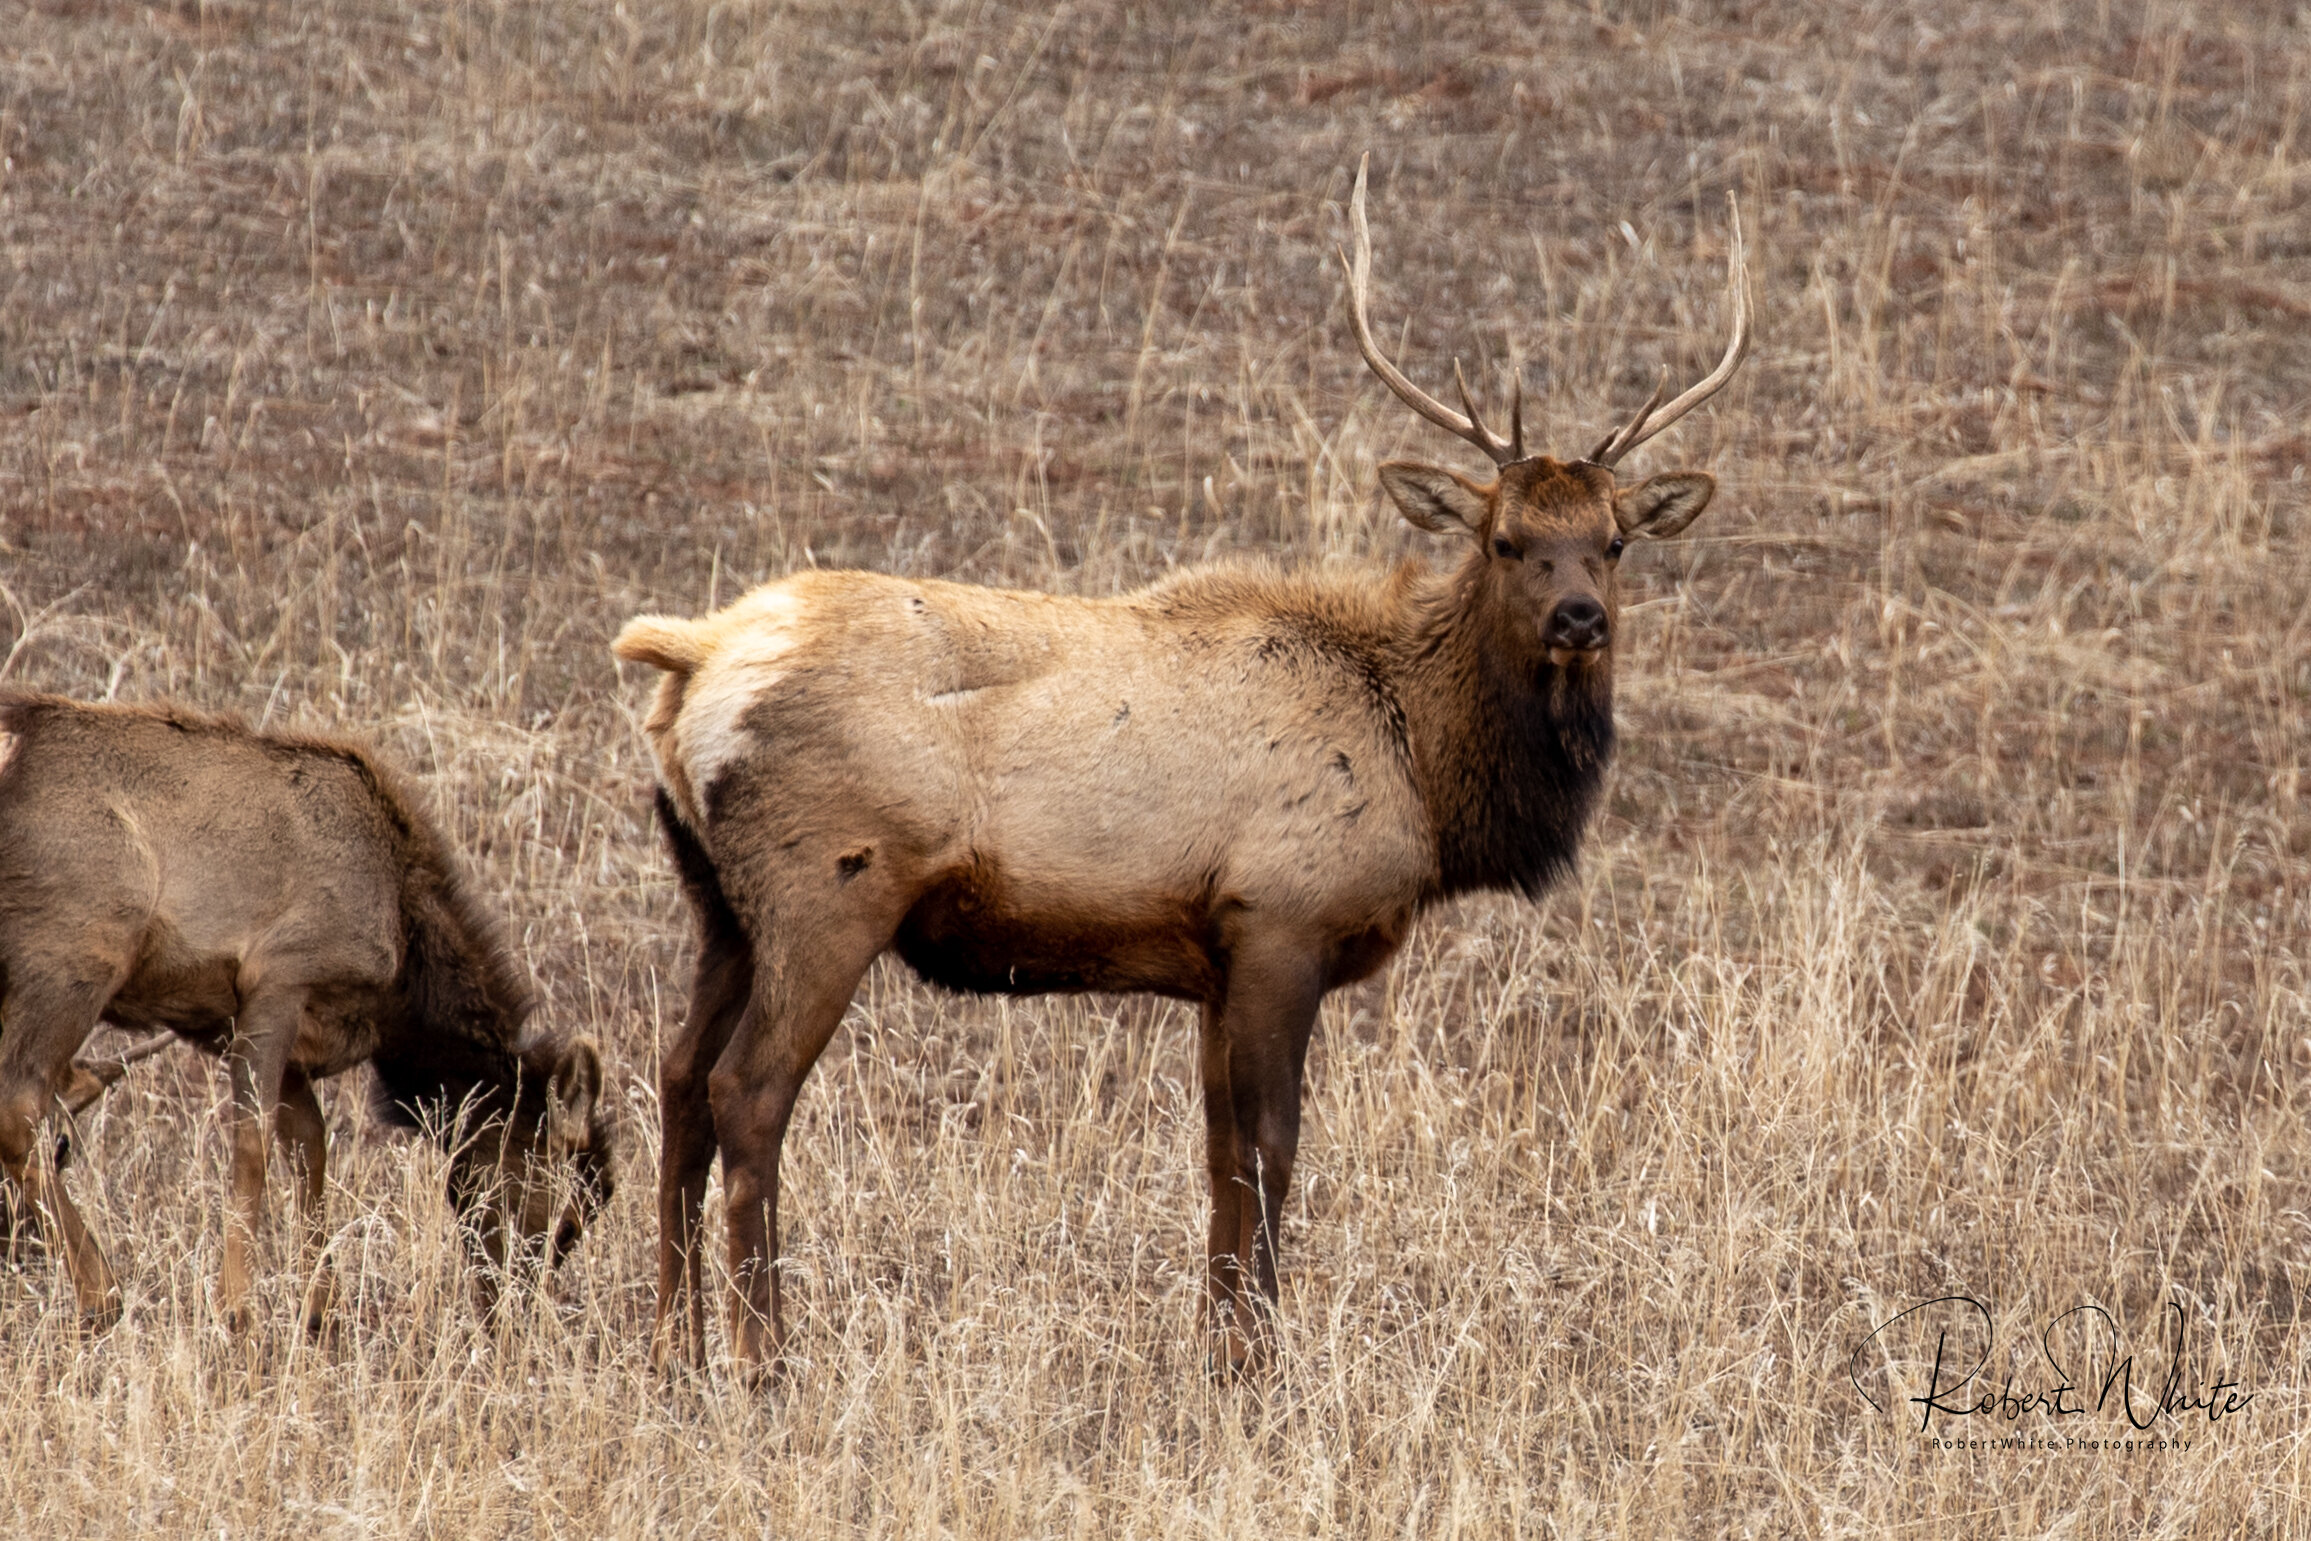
364 366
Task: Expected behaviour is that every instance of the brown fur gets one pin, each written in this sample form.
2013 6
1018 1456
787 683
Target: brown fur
1236 787
280 902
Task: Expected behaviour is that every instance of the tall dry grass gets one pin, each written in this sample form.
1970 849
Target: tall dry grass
365 365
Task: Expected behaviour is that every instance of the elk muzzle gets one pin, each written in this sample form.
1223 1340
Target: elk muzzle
1577 625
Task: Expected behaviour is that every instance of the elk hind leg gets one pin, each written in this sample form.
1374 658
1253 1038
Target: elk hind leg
802 985
44 1025
718 996
303 1135
256 1058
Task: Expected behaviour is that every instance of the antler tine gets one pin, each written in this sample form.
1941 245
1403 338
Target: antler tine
1491 441
1646 424
1360 294
1517 414
1615 444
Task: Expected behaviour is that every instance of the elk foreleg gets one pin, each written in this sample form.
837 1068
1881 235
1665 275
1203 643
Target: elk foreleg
304 1138
256 1059
718 996
1223 1272
45 1025
1273 992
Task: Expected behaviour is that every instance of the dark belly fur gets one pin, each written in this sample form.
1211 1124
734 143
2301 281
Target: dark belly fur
956 938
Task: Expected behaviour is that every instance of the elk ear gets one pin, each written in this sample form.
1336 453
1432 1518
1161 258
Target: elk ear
87 1083
576 1089
1659 506
1437 500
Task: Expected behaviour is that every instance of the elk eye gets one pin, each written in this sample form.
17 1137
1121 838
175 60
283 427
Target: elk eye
1503 546
1614 550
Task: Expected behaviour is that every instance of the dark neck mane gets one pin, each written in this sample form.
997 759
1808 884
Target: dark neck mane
1509 761
460 1044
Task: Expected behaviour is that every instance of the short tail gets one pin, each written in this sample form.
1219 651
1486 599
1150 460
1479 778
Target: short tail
663 642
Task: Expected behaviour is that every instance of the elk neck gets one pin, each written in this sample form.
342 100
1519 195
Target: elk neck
457 1041
1508 747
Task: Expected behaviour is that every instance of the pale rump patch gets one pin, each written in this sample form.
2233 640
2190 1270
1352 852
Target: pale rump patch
745 645
665 707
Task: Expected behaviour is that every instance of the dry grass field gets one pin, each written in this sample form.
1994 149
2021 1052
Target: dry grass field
364 365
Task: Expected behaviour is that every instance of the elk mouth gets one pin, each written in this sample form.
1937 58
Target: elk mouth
1566 657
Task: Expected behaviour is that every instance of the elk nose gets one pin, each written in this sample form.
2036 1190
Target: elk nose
1578 622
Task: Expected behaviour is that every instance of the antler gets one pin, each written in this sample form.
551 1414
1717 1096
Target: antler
1645 425
1471 427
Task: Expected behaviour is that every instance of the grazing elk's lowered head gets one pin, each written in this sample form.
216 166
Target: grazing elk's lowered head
531 1152
1547 534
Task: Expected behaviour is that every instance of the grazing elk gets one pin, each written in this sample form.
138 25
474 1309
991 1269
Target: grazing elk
1236 787
280 902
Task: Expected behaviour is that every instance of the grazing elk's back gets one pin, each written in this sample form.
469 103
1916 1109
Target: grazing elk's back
1237 786
280 901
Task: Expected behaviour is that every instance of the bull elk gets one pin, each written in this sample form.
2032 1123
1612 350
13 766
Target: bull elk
280 902
1236 787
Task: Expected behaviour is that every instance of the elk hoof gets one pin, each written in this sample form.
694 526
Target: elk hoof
95 1289
762 1377
677 1353
1232 1359
762 1359
319 1300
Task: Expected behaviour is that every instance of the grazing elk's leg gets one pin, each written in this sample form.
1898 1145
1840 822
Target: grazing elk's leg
304 1138
45 1025
1274 990
1224 1280
718 996
256 1058
805 976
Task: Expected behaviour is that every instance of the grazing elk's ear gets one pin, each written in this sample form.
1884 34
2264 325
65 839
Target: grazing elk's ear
1437 500
1659 506
576 1088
